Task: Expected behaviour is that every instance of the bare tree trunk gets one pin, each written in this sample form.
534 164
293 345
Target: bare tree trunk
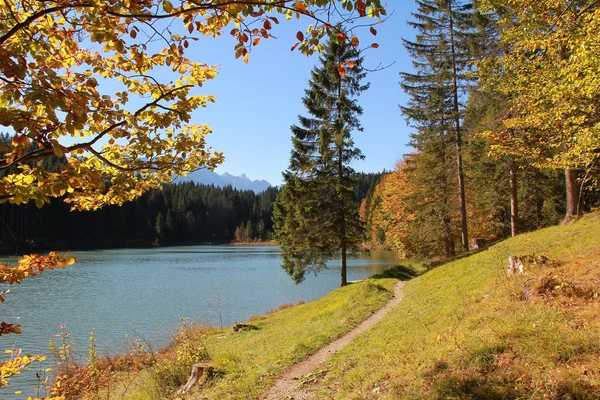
343 255
342 205
514 205
458 139
572 186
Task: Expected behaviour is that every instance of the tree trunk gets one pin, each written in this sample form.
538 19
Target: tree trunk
448 242
514 205
343 255
572 186
458 139
340 178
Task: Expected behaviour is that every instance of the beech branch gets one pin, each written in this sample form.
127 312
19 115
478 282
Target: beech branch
49 151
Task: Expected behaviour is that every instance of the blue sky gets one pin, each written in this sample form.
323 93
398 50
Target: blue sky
257 102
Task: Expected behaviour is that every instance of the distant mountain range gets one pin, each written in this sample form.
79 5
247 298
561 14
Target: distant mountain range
242 182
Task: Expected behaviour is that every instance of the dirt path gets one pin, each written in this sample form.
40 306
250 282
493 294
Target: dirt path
286 387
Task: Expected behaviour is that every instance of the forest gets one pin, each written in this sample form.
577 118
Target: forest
505 125
176 214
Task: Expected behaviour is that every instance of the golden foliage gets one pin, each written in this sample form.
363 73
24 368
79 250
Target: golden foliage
549 74
116 141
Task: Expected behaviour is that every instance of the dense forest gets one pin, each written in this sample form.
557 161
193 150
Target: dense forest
177 214
183 213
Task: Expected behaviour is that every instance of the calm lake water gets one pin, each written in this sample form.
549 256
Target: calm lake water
132 294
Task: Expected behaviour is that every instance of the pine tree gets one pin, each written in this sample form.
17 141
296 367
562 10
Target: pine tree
316 214
441 57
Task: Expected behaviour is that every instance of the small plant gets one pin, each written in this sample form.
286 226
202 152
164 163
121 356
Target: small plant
216 302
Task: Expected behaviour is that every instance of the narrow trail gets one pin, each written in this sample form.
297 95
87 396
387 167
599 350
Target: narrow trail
287 388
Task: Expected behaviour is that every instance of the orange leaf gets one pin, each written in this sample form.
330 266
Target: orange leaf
350 64
361 7
375 45
341 37
256 41
300 36
342 71
354 41
300 6
373 31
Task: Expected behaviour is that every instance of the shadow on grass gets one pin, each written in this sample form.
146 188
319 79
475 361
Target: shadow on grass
400 272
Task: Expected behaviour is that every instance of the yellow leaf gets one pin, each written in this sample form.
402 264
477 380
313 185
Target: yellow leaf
167 6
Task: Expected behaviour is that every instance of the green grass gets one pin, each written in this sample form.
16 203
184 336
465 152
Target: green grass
465 331
247 362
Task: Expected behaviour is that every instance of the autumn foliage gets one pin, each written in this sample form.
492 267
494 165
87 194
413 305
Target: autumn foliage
110 88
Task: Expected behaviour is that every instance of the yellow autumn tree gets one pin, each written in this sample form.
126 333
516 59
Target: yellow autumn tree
549 74
392 215
117 143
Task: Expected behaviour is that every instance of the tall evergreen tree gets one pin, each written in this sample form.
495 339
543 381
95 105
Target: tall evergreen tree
316 214
441 56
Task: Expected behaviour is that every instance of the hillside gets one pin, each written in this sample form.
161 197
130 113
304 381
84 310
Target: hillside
464 330
467 331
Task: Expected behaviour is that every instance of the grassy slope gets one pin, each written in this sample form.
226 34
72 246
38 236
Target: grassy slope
247 362
463 330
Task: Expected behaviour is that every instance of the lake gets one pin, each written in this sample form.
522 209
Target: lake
142 294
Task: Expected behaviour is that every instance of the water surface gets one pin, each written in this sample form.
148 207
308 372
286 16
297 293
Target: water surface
143 294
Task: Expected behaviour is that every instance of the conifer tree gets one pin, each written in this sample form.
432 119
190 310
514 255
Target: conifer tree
316 214
441 56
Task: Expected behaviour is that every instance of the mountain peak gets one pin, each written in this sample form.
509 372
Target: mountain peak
206 177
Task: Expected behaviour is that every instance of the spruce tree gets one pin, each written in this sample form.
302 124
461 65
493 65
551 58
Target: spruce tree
441 57
316 214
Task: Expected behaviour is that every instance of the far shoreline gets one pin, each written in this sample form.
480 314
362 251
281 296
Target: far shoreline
266 243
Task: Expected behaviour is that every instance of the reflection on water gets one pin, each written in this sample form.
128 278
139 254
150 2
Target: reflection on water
144 293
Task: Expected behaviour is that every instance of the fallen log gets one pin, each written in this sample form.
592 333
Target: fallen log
239 326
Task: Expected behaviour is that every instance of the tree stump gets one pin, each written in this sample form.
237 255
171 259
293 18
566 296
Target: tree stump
515 265
200 370
477 243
